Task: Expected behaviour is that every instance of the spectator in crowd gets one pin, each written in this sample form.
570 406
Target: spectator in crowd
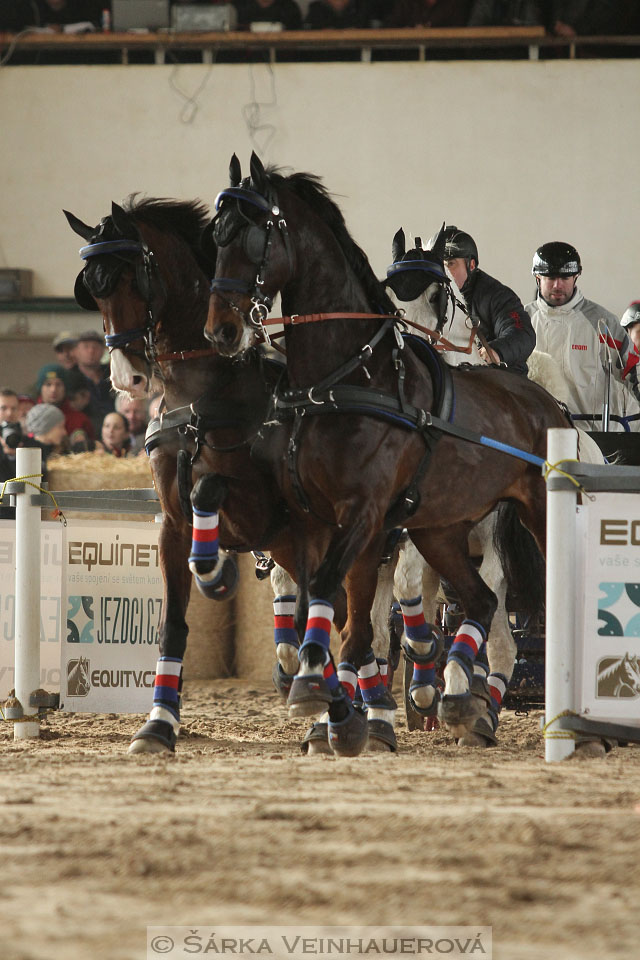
630 322
25 402
504 322
115 434
571 18
428 13
58 13
45 426
337 14
64 346
286 12
505 13
89 351
53 385
135 409
10 438
582 336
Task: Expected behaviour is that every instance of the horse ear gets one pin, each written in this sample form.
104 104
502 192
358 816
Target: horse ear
398 248
258 176
82 229
123 222
438 244
235 173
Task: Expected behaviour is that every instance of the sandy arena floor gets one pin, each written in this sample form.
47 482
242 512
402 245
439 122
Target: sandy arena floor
239 828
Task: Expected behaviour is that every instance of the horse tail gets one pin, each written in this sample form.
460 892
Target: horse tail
522 563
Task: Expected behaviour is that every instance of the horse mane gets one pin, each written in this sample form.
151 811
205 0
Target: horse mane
310 189
609 671
186 218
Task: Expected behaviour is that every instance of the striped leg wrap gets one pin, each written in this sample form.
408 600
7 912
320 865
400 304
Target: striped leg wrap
348 677
319 622
331 677
383 667
467 645
204 545
283 623
370 681
166 691
420 645
498 684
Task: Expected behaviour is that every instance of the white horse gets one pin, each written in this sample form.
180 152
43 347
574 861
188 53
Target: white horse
428 308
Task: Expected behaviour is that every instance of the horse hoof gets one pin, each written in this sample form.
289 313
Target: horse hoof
147 746
309 696
348 737
155 736
281 681
481 735
316 741
590 749
382 737
459 710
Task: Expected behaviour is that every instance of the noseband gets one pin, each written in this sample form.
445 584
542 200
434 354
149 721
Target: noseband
145 273
257 242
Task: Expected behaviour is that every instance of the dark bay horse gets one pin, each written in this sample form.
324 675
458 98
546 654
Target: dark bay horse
148 275
381 433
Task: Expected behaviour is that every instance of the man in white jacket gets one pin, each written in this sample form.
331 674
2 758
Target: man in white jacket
584 338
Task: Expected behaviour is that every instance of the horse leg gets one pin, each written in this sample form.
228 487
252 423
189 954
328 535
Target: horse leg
284 631
215 571
423 643
159 733
448 551
501 647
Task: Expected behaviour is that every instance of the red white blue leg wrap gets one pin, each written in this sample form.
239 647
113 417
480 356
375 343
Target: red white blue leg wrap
421 645
468 643
284 630
166 691
205 547
370 681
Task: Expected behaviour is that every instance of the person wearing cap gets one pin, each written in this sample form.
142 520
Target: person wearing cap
583 337
64 346
89 351
56 385
504 322
630 321
45 427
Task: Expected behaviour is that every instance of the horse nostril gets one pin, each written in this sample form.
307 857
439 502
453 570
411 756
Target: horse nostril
227 333
208 335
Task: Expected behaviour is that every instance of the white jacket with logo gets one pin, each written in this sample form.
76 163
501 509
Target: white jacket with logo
578 335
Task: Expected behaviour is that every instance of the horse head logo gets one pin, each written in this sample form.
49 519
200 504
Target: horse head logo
619 677
78 682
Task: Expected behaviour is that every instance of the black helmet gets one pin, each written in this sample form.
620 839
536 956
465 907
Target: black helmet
556 259
457 243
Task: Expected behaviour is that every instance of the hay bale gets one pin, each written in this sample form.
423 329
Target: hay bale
211 633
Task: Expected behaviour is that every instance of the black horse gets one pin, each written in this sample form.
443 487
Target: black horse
382 433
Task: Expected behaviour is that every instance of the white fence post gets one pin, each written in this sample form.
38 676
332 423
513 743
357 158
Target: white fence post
562 444
27 602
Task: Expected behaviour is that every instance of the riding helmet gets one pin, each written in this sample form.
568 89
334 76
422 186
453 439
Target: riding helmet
631 314
556 259
457 243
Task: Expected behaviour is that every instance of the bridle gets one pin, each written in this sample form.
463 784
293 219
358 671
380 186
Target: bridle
146 271
257 243
149 283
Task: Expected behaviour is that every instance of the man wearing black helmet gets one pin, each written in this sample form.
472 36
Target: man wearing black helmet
504 322
575 331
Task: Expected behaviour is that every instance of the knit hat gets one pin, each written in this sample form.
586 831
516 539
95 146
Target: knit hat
51 371
631 314
42 418
64 339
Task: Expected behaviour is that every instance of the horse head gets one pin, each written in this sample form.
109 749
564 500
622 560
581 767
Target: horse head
136 275
254 258
418 276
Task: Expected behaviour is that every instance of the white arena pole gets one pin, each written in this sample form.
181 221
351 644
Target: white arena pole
562 444
27 604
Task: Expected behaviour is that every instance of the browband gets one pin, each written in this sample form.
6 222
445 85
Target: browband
425 266
250 196
110 246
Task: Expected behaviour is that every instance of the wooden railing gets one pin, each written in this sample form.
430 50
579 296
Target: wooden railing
269 45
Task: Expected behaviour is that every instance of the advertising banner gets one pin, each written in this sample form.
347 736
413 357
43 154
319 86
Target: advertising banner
114 592
51 556
608 667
